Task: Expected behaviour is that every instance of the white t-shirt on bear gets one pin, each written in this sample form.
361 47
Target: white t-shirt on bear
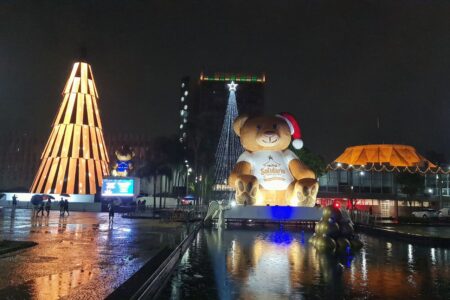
271 168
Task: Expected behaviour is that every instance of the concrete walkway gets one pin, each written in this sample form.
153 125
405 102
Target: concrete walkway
424 230
77 257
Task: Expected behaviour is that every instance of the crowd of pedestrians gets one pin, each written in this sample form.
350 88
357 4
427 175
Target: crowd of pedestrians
45 206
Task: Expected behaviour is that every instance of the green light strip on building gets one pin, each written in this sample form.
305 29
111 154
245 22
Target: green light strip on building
233 78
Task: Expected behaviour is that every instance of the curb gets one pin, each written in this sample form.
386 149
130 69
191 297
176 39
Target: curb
406 237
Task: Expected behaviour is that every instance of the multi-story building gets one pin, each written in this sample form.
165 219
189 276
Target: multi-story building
184 110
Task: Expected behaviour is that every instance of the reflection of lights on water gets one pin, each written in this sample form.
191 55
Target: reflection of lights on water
433 256
388 249
410 254
281 237
103 226
185 257
363 265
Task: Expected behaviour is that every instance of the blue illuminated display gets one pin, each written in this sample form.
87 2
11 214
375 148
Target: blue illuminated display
281 212
118 187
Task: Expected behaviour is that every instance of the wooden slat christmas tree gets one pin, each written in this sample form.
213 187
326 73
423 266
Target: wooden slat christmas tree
75 159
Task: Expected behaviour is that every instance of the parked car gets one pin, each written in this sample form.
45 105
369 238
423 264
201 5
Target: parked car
425 213
444 212
188 200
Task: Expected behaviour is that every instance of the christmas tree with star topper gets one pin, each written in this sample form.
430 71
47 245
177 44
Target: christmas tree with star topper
229 147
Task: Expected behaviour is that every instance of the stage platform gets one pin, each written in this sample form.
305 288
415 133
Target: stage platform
271 214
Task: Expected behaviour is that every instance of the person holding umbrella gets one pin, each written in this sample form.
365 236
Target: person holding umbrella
36 201
40 208
48 205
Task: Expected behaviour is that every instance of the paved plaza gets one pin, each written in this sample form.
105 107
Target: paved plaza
80 256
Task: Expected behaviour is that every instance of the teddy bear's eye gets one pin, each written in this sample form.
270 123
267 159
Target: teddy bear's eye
274 126
258 127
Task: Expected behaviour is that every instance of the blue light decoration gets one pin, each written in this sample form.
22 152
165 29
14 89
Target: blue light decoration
281 237
281 212
123 166
229 147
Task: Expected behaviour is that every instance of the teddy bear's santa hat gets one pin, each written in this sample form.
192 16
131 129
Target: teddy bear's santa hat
296 134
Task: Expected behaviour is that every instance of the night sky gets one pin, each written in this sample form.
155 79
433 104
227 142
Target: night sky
336 65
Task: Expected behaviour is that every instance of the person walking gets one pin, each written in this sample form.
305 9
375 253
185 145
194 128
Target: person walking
40 209
48 205
111 211
66 207
14 201
61 206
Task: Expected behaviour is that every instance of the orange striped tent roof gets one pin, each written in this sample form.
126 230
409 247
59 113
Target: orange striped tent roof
393 155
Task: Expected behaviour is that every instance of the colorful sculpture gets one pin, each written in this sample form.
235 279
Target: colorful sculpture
124 163
335 232
268 172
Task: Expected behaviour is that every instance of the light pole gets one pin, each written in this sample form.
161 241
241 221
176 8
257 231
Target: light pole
188 172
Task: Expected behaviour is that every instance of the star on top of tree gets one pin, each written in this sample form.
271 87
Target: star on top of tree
232 86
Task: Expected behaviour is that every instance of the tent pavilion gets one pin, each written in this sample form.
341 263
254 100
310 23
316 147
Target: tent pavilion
367 173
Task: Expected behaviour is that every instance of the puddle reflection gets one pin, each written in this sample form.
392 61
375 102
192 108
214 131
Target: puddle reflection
279 264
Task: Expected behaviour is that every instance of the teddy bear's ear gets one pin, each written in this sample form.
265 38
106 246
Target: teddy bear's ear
238 123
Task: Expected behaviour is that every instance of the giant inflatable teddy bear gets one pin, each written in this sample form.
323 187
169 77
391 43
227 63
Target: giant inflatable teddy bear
268 173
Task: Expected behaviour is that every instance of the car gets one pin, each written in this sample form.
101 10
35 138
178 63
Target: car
188 200
444 212
425 213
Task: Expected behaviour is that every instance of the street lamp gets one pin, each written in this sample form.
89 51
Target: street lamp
188 172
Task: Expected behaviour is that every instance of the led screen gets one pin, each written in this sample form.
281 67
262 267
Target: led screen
118 187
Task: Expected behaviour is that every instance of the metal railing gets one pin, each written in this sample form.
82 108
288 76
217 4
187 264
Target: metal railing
364 217
156 281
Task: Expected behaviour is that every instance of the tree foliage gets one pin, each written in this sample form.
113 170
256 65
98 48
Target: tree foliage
410 184
313 160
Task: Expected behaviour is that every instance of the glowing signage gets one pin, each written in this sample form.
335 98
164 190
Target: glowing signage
118 187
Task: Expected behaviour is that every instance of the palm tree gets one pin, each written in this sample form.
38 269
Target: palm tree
164 159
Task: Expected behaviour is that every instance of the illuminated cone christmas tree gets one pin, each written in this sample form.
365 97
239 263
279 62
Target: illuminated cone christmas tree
229 147
75 159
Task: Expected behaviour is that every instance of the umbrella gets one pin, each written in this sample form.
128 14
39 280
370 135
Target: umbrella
141 195
37 199
189 197
65 195
47 196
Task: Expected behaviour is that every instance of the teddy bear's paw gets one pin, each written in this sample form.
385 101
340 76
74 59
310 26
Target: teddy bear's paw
245 198
306 191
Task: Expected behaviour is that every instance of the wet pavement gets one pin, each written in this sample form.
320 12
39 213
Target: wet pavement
81 256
